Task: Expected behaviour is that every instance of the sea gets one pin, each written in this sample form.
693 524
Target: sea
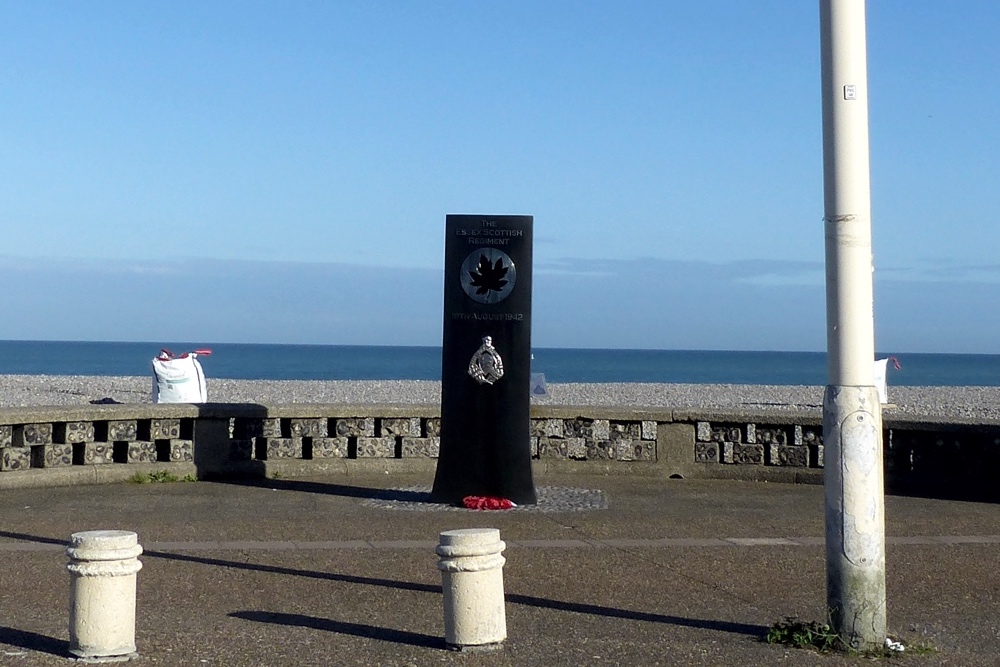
362 362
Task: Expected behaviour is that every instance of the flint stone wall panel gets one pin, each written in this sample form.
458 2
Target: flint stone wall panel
180 450
247 428
51 456
624 431
355 427
15 458
407 427
97 453
122 431
788 455
65 433
736 453
329 448
563 448
421 448
376 448
279 448
635 450
36 434
6 435
140 451
706 452
432 427
602 450
308 428
165 429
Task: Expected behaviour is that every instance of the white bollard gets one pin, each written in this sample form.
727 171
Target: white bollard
471 567
102 567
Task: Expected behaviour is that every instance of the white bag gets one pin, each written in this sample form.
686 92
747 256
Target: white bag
179 379
881 378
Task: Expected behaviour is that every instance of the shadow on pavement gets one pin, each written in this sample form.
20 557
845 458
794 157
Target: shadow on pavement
514 598
33 538
356 629
344 490
34 642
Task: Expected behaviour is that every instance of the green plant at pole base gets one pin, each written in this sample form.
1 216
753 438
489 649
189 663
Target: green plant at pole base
792 631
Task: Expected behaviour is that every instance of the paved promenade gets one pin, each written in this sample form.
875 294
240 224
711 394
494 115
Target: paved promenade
312 572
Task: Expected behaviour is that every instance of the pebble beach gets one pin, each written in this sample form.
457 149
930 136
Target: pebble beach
965 404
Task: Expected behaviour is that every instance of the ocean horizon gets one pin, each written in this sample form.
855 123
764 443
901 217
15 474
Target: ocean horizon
260 361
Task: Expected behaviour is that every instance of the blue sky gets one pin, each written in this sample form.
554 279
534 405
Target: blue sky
281 172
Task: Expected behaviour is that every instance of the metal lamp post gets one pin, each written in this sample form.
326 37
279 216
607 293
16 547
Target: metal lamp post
852 414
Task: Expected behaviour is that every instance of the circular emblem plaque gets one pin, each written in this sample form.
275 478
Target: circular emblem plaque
488 275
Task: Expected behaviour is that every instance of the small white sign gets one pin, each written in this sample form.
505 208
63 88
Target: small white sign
850 93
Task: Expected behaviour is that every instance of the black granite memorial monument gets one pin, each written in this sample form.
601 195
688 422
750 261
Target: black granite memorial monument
486 360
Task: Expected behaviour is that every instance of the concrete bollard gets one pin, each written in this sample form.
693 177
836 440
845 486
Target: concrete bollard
102 567
471 567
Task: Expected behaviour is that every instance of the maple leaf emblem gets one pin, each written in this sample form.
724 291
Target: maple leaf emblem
489 276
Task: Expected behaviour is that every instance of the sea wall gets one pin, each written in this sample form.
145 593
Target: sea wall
48 446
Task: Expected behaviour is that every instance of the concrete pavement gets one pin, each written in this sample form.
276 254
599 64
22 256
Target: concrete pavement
673 572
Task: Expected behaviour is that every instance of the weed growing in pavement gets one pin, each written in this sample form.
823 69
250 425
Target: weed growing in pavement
801 634
160 476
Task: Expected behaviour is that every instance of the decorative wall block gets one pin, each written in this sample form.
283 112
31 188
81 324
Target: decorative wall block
553 428
788 455
624 431
180 450
577 428
6 435
141 452
355 427
724 433
279 448
706 452
381 448
601 450
807 435
165 429
601 429
97 453
635 450
533 446
329 448
562 448
244 429
64 433
37 434
421 447
648 430
703 432
308 428
402 426
734 452
51 456
123 430
432 427
771 436
15 458
241 450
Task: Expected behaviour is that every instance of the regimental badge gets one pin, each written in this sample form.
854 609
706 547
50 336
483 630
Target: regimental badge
488 275
486 366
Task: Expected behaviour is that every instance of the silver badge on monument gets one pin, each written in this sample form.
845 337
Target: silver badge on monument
486 366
